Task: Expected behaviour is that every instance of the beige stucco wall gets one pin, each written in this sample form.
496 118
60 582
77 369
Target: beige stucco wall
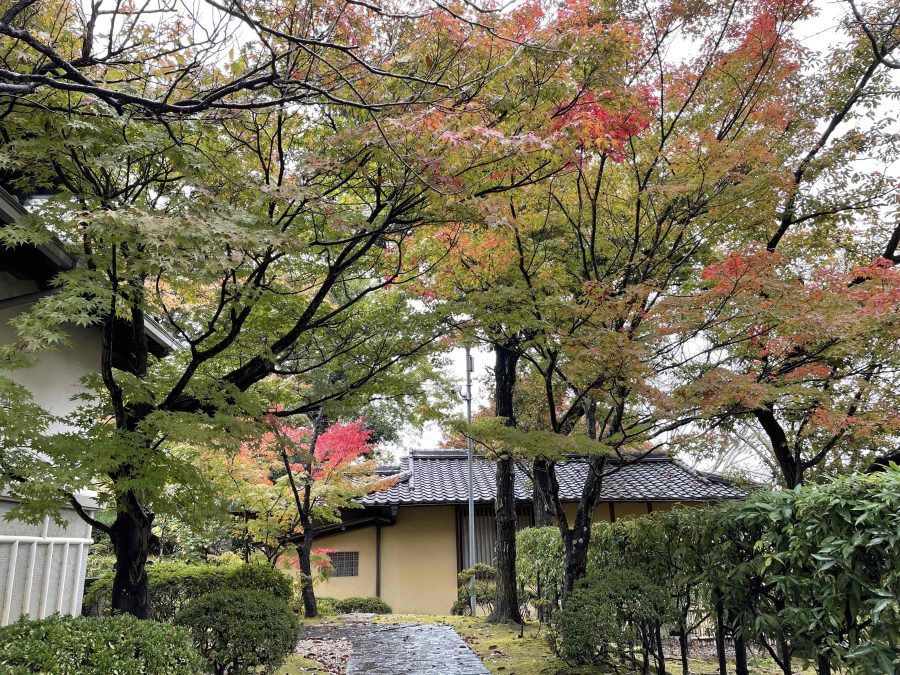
418 568
418 561
622 510
363 541
419 557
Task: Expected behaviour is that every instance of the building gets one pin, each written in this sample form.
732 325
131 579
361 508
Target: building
407 543
42 567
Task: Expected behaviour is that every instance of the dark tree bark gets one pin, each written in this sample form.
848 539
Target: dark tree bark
543 516
823 664
740 656
506 607
578 539
660 655
303 502
683 647
304 552
720 633
789 464
130 536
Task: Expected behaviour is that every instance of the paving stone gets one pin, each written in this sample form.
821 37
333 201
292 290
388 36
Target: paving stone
401 648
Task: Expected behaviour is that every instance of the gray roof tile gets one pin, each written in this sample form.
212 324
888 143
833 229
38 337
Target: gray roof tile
441 477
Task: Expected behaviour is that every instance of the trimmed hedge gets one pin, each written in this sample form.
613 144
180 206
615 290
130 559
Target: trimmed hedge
96 646
241 631
362 606
174 585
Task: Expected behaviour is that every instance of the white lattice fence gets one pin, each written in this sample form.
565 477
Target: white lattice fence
42 567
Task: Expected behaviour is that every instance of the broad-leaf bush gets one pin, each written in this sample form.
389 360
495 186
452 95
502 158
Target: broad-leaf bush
816 570
241 631
368 605
174 585
811 575
97 646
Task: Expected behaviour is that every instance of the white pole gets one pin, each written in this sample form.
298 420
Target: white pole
29 580
45 586
61 584
10 578
469 453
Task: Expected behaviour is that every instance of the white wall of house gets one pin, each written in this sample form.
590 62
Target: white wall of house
42 567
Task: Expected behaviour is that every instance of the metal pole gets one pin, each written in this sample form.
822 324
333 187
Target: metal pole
469 453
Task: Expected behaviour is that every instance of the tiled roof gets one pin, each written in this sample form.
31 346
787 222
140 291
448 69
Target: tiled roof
441 477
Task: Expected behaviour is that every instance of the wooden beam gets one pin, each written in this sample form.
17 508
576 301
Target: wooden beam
377 561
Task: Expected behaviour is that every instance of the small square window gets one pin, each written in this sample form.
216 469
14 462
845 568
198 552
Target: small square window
345 563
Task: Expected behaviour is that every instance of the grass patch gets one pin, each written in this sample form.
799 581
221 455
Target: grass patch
297 665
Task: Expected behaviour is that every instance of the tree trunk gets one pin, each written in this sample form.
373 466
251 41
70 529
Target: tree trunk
683 646
645 653
506 607
578 539
660 655
740 656
789 465
539 485
720 633
304 551
785 654
823 664
130 536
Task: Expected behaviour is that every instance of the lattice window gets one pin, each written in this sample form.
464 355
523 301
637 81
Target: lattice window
345 563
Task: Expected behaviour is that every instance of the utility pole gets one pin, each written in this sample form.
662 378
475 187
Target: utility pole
470 366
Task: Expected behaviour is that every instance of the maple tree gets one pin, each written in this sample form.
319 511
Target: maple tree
307 216
661 179
811 358
168 60
293 479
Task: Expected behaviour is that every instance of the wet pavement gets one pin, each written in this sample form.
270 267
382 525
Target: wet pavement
400 648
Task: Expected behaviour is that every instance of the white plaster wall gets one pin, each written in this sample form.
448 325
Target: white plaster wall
42 567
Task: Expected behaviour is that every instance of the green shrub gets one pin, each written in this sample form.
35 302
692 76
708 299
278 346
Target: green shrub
174 585
96 646
362 605
241 631
608 611
587 626
485 589
326 605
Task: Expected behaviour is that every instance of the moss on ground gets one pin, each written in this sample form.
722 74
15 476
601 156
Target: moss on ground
505 653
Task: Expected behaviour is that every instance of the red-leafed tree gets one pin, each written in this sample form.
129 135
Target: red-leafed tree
809 357
293 479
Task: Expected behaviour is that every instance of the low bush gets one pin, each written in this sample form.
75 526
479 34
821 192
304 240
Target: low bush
241 631
96 646
362 605
326 605
174 585
608 613
485 589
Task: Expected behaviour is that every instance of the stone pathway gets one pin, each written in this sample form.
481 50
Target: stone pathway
400 648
